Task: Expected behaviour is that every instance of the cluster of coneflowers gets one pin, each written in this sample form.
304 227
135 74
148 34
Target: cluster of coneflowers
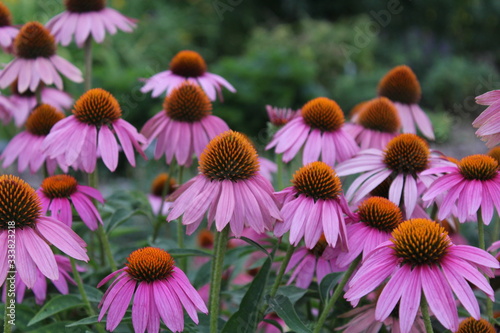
392 235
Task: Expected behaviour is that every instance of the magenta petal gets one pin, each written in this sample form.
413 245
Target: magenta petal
108 148
168 306
392 293
461 288
140 307
25 265
120 304
41 254
410 301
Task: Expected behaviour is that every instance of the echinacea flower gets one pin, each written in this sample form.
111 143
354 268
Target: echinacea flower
90 132
159 289
185 126
60 193
7 32
314 205
26 147
420 259
20 208
187 66
83 19
471 325
159 192
40 287
280 116
401 86
229 187
21 105
403 161
320 128
376 124
488 121
36 61
470 185
373 224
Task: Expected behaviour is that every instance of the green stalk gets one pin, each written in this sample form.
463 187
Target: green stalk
336 295
281 272
425 314
220 245
279 173
482 245
7 326
180 229
88 64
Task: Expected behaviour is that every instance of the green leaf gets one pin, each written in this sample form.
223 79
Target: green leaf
60 326
255 244
328 284
179 253
93 294
247 317
56 305
120 216
293 293
86 321
285 310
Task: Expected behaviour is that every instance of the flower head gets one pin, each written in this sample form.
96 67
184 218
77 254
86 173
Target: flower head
7 32
159 288
91 129
401 86
162 185
187 66
320 128
36 61
471 325
186 118
280 116
229 187
487 122
420 258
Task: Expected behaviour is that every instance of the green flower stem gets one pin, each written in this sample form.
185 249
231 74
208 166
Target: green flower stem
279 173
7 327
336 295
88 64
482 245
282 270
180 229
220 245
425 314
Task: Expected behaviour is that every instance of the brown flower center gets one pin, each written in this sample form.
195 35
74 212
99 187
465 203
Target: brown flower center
206 239
407 153
42 119
380 213
324 114
159 183
5 16
356 109
320 246
380 115
84 6
478 167
229 156
150 264
187 103
495 153
97 107
317 180
59 186
19 203
471 325
420 241
400 85
33 41
188 64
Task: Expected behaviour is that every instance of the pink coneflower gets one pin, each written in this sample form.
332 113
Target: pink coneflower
40 287
280 116
83 19
471 184
420 258
34 232
158 191
401 86
403 161
376 124
374 221
36 61
320 128
7 32
187 66
229 187
60 193
21 105
160 290
306 263
489 120
471 325
90 132
185 126
314 205
26 147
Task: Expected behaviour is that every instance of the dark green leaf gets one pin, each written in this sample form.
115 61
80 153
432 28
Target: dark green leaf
93 294
56 327
255 244
188 253
56 305
328 284
293 293
85 321
285 310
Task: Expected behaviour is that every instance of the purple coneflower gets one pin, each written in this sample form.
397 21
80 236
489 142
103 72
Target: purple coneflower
20 208
36 61
90 132
158 191
83 19
185 126
159 289
187 66
471 325
26 146
403 161
320 128
314 205
471 184
489 120
60 193
420 259
280 116
229 187
401 86
376 124
7 32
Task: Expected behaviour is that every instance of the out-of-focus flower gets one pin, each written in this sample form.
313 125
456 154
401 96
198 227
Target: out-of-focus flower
280 116
7 32
158 189
488 122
